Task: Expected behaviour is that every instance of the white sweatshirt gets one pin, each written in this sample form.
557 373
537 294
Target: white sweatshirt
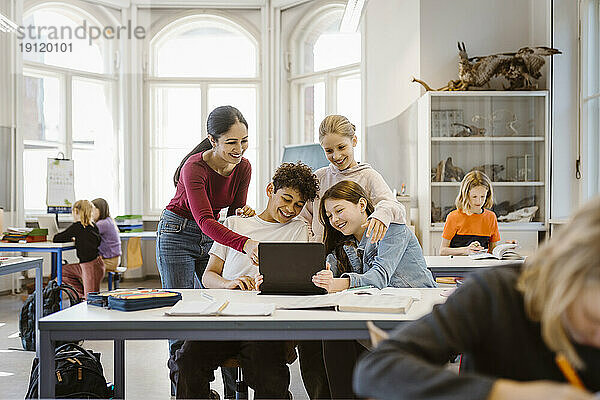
387 208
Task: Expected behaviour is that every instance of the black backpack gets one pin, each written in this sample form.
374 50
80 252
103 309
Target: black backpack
51 296
78 375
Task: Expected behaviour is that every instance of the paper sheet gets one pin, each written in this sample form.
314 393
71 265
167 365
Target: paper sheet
206 307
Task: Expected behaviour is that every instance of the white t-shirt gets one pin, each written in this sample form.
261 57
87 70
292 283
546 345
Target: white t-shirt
238 264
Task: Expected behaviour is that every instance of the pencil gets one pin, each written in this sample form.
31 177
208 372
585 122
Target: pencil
222 307
568 371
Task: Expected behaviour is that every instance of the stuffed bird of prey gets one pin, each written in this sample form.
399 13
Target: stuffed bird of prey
521 69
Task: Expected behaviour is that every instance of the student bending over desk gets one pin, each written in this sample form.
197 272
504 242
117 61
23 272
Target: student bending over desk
263 363
354 261
509 325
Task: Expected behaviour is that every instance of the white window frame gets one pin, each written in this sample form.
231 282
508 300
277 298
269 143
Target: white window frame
204 84
329 77
590 64
66 76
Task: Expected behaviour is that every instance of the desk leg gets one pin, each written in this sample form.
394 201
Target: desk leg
46 369
59 266
119 368
39 287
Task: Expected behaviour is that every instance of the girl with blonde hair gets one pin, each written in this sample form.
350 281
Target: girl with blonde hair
472 227
520 330
337 136
86 275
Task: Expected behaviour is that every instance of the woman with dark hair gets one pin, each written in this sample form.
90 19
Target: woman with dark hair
211 177
110 241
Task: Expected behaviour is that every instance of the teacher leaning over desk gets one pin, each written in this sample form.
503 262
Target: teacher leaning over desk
213 176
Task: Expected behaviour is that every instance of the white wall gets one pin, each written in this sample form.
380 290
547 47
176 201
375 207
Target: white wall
392 52
419 38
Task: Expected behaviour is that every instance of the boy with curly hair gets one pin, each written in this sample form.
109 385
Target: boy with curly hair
263 363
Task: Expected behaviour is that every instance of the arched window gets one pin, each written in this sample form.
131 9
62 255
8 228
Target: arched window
197 63
325 75
68 104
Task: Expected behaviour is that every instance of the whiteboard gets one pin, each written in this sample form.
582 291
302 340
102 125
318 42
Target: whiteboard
60 194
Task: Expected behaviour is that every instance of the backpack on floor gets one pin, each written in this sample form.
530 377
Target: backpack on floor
51 299
78 375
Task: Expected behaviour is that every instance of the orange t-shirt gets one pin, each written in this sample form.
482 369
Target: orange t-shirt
462 229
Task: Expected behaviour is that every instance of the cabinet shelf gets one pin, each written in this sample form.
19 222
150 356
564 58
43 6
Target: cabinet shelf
485 139
495 184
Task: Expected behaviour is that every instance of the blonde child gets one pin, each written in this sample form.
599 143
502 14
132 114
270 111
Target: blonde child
85 276
510 324
338 139
472 227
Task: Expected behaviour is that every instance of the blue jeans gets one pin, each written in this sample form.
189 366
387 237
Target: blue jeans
182 252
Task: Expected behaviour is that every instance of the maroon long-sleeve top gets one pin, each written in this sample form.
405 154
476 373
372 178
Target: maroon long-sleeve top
202 193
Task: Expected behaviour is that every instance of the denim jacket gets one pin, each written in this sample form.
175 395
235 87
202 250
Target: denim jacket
396 260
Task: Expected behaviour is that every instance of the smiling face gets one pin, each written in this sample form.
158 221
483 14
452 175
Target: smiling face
339 150
582 318
284 204
232 144
345 216
477 196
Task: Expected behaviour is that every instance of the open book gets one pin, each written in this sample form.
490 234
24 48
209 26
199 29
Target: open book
386 300
504 251
207 308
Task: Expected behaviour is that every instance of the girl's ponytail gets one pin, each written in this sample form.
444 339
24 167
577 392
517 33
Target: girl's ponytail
84 208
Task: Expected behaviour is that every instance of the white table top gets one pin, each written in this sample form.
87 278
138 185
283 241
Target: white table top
19 261
465 262
143 235
88 317
47 244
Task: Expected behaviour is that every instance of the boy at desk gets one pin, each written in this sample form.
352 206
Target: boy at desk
263 363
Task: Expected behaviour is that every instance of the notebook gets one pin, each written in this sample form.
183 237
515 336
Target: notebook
505 251
220 308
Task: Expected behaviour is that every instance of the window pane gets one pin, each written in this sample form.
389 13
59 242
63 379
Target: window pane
35 164
326 47
349 105
92 111
244 99
176 117
95 175
205 48
63 27
314 110
41 108
165 162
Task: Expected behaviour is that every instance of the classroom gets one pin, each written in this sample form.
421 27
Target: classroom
307 199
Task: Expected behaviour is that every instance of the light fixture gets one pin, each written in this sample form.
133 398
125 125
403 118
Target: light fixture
6 25
352 15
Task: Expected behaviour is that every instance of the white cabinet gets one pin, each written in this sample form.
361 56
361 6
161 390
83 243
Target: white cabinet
502 133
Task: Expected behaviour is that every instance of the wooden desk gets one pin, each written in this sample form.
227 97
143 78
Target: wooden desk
95 323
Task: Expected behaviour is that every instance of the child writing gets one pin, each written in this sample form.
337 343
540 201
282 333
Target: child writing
353 261
110 243
516 328
85 276
338 139
472 227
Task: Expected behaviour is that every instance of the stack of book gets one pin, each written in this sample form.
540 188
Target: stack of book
129 223
16 235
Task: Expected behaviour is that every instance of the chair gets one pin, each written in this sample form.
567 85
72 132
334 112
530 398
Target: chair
241 388
115 276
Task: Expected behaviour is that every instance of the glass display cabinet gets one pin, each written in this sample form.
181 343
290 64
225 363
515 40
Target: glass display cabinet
502 133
